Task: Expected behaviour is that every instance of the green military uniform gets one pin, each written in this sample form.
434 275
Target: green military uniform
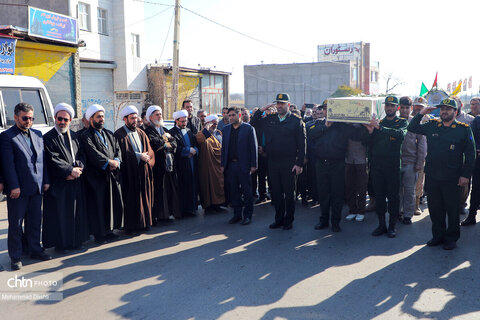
385 155
285 147
450 155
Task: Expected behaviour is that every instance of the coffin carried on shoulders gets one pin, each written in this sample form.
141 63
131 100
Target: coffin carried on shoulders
355 109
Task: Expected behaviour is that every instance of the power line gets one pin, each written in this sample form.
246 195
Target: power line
155 3
245 35
168 33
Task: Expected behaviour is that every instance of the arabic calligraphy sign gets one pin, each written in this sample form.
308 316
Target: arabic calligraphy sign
354 110
50 25
339 52
7 55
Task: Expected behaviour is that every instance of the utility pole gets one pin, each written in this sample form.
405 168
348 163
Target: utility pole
175 69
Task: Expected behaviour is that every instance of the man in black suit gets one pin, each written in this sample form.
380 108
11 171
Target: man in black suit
239 161
193 123
22 155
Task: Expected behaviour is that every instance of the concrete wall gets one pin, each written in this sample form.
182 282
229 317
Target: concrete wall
18 15
304 82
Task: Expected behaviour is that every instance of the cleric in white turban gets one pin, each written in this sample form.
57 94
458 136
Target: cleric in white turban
64 107
151 110
180 114
211 118
94 108
127 111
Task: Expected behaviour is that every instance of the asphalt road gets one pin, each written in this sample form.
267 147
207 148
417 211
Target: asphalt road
204 268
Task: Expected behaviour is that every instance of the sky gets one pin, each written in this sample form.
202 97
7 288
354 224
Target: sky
412 40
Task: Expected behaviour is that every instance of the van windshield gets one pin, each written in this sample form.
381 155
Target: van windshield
12 96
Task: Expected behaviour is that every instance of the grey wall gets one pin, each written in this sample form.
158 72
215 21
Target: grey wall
18 15
304 82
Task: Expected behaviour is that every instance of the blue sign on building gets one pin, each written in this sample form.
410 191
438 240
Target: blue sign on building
50 25
7 55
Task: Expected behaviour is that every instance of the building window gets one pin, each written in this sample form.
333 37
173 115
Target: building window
121 96
135 96
135 45
83 16
102 21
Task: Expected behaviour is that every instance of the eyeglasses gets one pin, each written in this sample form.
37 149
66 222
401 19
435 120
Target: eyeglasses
61 119
26 118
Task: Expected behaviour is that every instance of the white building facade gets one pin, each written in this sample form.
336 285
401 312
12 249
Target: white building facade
113 71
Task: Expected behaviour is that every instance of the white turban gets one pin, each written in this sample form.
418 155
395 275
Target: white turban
180 114
94 108
211 118
151 110
64 107
128 110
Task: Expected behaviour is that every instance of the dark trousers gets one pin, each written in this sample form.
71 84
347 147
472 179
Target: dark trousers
24 207
282 179
261 174
370 190
443 198
331 189
240 186
356 180
386 182
475 195
312 185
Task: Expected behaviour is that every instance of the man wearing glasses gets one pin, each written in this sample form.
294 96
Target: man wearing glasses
22 155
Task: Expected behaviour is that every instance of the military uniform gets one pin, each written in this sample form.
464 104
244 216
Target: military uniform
450 155
285 147
385 163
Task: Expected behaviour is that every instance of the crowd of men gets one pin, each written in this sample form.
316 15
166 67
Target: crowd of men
94 181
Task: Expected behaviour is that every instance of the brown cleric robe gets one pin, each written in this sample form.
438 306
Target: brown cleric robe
137 181
210 173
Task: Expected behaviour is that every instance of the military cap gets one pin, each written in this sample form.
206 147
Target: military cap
391 100
282 97
420 101
449 102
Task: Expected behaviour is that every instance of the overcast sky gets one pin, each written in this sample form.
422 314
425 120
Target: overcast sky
411 39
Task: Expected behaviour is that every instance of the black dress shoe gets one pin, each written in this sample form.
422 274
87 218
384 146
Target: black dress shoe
235 219
246 221
321 225
391 233
275 225
16 264
61 250
469 221
100 240
336 228
449 245
407 220
111 237
288 226
42 256
379 231
434 242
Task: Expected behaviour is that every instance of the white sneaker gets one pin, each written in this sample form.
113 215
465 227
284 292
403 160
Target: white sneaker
360 217
350 217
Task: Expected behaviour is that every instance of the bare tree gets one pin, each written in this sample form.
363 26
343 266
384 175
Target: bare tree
392 82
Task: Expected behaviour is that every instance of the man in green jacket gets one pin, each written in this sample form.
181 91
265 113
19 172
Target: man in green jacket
449 165
386 150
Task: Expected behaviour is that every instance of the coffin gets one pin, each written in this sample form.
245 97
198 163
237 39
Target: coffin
355 109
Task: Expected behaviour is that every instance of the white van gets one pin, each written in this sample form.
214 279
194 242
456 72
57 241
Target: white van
15 89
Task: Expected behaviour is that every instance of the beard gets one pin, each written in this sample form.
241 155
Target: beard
447 117
158 123
97 125
61 130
